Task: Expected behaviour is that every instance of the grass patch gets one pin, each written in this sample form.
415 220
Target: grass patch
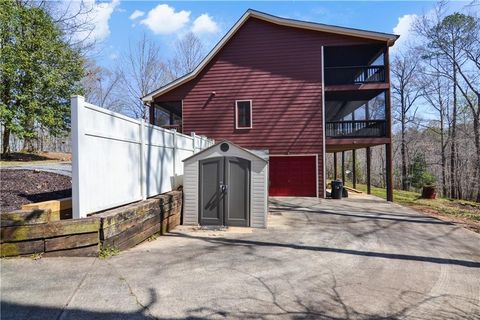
458 208
153 237
36 256
108 251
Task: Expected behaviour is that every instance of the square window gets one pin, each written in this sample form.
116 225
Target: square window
243 114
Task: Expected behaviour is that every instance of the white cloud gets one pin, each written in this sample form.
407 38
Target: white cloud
404 29
164 20
204 24
95 18
100 17
136 14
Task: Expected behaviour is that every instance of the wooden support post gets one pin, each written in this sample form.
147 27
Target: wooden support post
334 166
369 163
389 171
388 117
354 169
343 167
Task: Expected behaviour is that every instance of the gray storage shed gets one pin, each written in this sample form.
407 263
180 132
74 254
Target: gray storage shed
226 185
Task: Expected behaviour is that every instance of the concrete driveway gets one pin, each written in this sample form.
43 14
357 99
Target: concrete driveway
358 258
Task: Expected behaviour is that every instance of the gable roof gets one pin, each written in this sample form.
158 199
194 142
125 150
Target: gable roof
250 13
195 155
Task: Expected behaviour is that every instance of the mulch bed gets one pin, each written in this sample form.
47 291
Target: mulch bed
20 187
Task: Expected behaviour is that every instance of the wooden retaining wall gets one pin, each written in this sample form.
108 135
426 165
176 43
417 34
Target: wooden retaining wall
129 225
40 230
37 233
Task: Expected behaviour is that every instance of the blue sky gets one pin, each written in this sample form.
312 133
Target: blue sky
164 22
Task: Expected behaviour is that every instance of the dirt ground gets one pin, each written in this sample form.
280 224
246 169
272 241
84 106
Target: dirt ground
20 187
40 156
464 222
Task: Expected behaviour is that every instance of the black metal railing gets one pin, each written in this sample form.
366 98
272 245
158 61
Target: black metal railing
357 128
177 127
354 75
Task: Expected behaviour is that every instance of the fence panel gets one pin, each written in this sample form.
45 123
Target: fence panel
118 160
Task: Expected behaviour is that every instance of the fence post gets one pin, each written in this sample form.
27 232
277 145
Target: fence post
76 109
175 155
194 138
143 165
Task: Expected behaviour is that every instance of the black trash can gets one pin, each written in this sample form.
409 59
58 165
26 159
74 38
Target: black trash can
337 188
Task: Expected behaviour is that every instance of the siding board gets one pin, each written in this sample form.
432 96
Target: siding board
279 69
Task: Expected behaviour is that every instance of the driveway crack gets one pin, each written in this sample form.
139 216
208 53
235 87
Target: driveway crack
144 308
76 290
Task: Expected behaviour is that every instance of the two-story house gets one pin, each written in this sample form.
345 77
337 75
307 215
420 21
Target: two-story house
298 89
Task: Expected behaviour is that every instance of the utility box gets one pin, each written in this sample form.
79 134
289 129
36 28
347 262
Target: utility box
226 185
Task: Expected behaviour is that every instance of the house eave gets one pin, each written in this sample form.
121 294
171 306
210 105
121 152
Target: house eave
389 39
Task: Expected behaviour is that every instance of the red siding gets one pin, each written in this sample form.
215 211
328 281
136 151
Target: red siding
279 69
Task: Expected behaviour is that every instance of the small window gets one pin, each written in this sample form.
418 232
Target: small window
243 114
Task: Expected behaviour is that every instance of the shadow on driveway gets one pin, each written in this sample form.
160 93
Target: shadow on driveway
252 243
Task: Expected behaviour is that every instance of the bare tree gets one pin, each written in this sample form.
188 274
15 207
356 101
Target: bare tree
451 39
142 71
101 86
73 17
436 94
470 75
444 42
189 51
407 89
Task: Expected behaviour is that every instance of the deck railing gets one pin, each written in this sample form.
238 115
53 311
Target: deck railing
357 128
354 75
177 127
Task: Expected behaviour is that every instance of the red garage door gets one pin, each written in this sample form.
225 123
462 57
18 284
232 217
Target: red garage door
293 176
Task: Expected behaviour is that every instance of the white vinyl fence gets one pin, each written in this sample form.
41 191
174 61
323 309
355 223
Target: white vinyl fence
118 160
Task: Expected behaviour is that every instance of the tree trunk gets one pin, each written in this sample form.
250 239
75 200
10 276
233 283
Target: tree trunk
453 147
476 130
443 156
403 144
403 151
6 142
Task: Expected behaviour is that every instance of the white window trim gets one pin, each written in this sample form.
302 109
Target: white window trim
236 115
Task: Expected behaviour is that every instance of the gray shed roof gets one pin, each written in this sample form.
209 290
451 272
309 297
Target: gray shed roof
198 154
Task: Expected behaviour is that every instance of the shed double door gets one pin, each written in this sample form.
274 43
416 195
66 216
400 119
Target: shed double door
224 195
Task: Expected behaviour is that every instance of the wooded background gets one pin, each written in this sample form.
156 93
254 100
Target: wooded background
435 85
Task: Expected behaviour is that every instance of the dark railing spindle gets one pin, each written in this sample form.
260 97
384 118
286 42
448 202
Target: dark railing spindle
357 128
354 74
